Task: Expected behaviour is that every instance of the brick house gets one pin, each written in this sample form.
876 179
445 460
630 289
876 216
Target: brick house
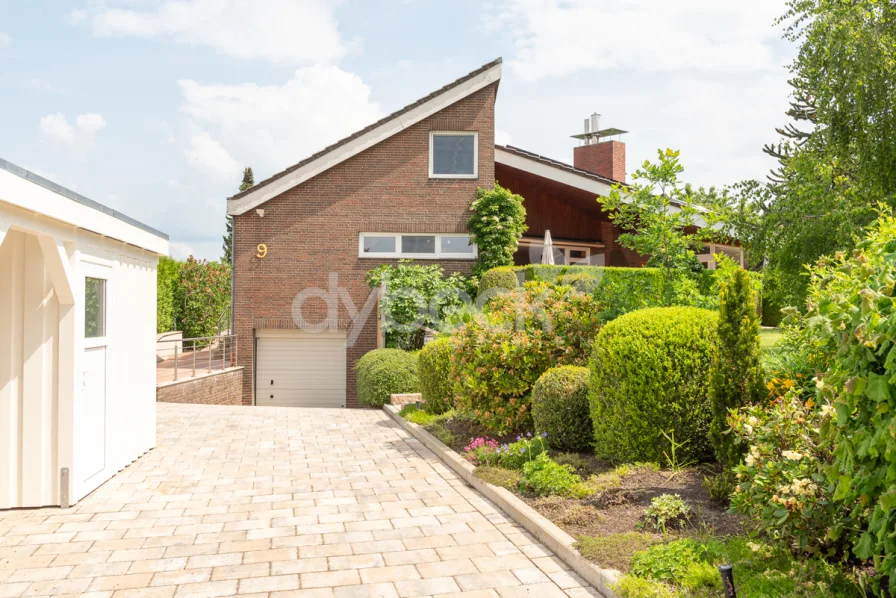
304 239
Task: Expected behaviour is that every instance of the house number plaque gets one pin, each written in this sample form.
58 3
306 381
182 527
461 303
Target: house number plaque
262 251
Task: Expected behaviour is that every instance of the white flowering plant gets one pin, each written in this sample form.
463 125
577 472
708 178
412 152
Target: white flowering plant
781 484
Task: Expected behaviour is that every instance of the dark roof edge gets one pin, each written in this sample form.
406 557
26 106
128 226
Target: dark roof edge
59 189
368 128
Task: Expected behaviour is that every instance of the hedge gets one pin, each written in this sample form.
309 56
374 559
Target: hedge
560 408
649 376
384 372
434 371
619 290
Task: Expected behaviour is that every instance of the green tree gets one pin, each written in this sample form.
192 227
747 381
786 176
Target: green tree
497 223
248 182
736 379
166 283
838 155
658 214
201 295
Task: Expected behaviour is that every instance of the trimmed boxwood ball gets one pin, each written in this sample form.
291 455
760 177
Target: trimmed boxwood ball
502 278
649 375
384 372
560 408
434 371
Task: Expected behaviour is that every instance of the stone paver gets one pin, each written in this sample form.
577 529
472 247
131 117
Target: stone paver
271 502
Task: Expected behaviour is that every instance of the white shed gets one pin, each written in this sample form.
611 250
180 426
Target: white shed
77 341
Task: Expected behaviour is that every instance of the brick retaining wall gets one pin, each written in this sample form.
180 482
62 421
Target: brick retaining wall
218 388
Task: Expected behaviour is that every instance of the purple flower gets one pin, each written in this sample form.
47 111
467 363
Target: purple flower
544 434
528 434
519 438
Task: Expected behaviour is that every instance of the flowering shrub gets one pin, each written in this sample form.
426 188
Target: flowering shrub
482 451
497 222
851 308
201 295
497 357
416 296
781 485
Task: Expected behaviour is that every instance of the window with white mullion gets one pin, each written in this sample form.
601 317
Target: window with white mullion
416 246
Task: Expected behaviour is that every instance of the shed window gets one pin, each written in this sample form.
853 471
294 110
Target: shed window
94 308
453 155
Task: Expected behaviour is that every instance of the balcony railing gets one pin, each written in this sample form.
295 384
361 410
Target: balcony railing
184 358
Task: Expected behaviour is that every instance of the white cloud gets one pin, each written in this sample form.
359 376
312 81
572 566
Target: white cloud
5 39
208 156
79 138
554 38
502 137
271 127
280 31
77 16
180 251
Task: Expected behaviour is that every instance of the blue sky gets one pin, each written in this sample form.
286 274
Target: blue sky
154 106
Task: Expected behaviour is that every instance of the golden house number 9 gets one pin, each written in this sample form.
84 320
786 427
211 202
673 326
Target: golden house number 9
262 251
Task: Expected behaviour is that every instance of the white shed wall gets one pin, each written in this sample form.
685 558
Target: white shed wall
42 344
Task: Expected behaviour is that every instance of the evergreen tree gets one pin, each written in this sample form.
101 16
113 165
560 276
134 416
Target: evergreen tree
736 378
248 181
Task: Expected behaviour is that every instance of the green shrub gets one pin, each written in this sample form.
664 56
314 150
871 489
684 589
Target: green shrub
687 568
649 376
201 296
736 378
384 372
560 408
497 222
545 477
167 275
423 417
496 359
503 278
851 310
416 296
434 371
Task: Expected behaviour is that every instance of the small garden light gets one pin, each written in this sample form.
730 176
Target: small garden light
726 571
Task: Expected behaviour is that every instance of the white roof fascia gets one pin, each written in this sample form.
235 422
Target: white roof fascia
342 153
34 198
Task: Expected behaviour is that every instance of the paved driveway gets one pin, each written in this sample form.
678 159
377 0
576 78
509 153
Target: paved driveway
270 501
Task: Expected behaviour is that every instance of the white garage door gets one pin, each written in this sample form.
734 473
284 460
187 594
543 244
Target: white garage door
300 369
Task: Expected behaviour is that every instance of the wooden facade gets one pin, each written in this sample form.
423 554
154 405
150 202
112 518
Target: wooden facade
573 216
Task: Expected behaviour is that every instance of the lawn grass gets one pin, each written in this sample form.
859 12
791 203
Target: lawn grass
768 337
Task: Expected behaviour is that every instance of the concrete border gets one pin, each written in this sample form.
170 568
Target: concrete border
542 528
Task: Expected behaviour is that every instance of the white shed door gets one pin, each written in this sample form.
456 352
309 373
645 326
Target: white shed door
300 369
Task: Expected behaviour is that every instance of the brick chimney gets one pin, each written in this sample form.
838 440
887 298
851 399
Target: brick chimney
605 158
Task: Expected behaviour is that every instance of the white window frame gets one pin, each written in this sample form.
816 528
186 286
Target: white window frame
565 248
438 255
475 175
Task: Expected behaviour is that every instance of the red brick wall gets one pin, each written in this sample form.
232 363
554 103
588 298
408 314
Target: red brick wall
606 159
222 388
311 231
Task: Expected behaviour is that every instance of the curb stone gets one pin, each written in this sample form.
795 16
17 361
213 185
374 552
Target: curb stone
558 541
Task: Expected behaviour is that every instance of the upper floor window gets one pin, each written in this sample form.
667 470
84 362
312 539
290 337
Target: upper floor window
417 245
454 155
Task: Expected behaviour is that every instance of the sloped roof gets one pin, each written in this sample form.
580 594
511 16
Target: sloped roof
365 138
556 164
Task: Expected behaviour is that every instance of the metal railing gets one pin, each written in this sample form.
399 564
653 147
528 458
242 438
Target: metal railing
195 357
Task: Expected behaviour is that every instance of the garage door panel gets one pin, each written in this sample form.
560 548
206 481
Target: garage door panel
300 369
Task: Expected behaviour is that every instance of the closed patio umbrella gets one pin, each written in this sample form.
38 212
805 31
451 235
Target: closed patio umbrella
547 254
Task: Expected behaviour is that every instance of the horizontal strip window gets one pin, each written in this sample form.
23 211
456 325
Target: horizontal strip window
416 245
